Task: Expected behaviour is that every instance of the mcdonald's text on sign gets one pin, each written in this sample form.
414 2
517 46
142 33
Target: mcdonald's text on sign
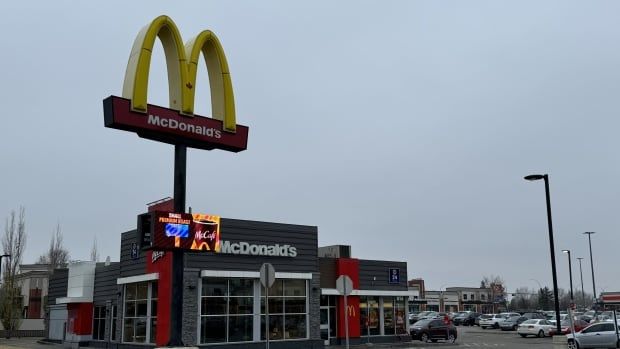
169 126
178 124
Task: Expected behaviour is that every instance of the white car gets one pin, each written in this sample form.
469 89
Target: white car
599 335
493 320
535 327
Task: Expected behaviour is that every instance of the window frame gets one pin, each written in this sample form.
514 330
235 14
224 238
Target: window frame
98 320
257 314
149 337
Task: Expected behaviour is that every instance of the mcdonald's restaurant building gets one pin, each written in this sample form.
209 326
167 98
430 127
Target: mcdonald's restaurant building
125 304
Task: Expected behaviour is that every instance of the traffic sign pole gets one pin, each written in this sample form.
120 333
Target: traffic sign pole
344 285
346 318
267 278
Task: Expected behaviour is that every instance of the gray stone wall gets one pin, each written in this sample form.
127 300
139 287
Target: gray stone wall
314 301
191 277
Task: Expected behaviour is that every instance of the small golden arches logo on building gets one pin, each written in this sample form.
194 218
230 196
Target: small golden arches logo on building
351 310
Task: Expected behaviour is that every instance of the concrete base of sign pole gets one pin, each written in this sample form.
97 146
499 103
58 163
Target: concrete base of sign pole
560 342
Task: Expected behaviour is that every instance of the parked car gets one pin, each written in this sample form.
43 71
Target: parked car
433 330
428 315
466 318
482 317
511 323
603 316
492 321
584 317
599 335
535 327
566 327
562 318
413 319
535 315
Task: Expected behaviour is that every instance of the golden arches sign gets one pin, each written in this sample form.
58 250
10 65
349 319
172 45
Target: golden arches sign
351 310
177 124
182 63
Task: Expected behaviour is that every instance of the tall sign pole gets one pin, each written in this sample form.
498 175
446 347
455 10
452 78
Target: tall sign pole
176 311
178 124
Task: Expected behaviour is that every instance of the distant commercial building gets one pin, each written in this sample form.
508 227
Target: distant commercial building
453 299
474 299
32 279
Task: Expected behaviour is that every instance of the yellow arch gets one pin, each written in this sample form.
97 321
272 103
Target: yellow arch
181 73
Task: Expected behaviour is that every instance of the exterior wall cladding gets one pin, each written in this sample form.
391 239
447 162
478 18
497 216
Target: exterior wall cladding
304 238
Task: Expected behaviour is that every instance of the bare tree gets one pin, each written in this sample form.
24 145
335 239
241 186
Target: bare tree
57 256
94 253
13 244
487 281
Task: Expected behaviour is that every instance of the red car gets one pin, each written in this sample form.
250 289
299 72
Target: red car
565 326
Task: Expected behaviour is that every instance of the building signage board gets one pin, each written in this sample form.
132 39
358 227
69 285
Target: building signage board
186 231
178 124
394 275
170 126
246 248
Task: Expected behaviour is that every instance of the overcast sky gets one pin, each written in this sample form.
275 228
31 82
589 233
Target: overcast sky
402 128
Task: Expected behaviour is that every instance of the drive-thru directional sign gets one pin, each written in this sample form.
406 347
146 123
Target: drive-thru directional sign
344 285
267 275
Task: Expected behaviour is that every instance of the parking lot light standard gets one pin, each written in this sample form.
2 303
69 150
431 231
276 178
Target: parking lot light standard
589 233
583 295
545 177
570 275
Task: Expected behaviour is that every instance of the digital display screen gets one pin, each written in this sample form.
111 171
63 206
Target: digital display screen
195 232
179 230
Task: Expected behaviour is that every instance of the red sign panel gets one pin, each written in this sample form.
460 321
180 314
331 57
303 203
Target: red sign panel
169 126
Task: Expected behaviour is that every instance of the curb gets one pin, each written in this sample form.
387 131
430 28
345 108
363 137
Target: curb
411 344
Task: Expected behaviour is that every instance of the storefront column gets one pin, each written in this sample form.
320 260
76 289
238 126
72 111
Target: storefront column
349 267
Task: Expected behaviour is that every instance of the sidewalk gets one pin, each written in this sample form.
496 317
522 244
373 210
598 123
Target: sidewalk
25 343
402 345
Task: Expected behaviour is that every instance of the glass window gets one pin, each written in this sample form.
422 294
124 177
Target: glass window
464 296
212 287
113 322
373 316
240 328
363 316
608 327
212 329
140 315
400 304
99 323
295 288
295 326
388 316
288 313
241 287
226 310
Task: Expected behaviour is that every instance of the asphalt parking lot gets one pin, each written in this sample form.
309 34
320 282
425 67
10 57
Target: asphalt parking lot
468 337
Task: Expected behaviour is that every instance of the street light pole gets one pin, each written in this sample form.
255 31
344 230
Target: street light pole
583 295
570 274
589 233
545 177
